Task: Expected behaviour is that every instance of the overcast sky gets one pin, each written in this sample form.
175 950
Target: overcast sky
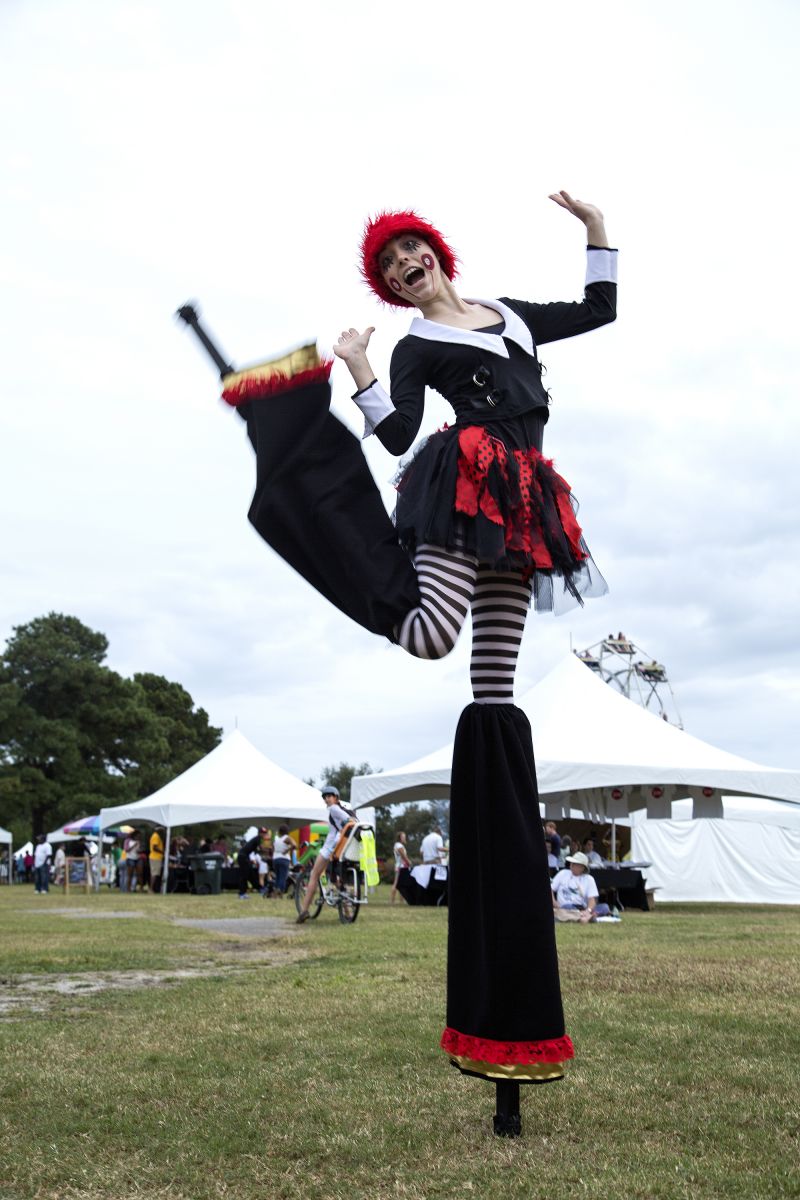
159 150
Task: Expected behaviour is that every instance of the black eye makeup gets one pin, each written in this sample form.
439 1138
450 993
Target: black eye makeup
386 262
411 244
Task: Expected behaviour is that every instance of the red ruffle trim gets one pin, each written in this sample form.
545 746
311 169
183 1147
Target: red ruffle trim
253 388
533 485
505 1053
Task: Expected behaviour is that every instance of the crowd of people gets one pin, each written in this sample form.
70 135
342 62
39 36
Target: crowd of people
264 863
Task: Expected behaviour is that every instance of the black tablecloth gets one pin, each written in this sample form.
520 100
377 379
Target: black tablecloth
626 882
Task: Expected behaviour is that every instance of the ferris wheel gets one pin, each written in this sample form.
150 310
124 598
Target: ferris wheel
633 672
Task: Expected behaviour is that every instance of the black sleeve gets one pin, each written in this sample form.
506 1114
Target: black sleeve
407 375
552 322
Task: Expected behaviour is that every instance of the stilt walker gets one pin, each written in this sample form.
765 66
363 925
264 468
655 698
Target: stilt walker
483 523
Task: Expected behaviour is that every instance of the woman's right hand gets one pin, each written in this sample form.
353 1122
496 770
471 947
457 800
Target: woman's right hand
352 345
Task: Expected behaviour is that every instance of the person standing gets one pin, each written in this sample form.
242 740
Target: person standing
401 863
41 865
122 868
281 858
551 832
156 860
132 851
433 848
244 863
59 865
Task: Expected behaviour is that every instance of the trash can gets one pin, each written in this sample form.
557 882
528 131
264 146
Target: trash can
207 874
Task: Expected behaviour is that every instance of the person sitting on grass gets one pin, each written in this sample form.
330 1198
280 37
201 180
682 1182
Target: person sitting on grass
575 892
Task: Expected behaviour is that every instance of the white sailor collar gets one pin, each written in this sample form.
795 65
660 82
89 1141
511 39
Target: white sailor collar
515 330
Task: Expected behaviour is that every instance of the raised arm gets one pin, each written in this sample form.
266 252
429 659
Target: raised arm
551 322
588 213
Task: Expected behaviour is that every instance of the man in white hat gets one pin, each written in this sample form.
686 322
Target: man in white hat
575 891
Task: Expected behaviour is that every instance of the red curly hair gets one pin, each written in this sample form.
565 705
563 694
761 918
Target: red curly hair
381 229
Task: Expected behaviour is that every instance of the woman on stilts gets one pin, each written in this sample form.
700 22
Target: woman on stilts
483 523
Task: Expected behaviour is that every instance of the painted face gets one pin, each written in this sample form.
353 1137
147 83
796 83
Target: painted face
410 268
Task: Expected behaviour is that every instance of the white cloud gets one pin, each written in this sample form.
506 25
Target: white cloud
230 151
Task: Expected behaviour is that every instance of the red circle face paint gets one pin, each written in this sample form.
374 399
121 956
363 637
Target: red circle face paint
394 284
427 261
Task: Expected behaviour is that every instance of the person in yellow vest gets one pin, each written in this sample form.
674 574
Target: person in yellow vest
156 860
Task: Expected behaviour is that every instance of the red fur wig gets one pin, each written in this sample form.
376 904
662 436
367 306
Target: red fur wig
381 229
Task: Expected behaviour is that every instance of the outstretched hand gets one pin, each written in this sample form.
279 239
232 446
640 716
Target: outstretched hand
352 344
588 213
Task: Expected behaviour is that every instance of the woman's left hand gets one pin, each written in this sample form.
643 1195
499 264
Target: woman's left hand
588 213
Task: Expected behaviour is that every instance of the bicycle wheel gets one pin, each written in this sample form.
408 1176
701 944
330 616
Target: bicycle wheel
299 895
349 895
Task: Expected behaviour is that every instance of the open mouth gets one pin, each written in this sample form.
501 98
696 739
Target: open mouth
413 276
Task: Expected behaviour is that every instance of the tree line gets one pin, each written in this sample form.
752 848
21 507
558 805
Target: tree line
76 736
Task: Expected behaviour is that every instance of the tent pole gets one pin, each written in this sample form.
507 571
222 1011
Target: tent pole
165 876
614 840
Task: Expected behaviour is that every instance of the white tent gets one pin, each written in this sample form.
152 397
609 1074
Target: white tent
602 757
235 782
599 752
7 839
751 856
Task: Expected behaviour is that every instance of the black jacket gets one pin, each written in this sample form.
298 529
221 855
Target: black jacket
484 376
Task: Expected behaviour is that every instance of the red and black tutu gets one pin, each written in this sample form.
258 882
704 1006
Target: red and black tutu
488 492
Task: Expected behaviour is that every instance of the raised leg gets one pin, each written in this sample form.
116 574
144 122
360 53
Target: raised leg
446 584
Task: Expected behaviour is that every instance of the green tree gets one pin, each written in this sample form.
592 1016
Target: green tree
185 733
76 736
341 777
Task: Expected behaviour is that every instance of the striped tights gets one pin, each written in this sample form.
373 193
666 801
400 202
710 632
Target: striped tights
451 583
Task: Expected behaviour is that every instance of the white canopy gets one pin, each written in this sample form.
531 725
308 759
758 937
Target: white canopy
599 752
5 836
235 782
753 863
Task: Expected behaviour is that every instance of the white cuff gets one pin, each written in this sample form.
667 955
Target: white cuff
375 405
601 266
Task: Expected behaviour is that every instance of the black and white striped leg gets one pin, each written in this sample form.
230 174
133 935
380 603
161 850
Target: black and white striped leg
500 606
446 585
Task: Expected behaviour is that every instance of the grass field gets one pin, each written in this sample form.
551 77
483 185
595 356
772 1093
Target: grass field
305 1065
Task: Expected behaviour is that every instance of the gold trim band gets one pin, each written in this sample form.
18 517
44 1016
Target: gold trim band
532 1072
305 358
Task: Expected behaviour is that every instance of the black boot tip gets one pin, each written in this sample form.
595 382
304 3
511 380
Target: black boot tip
510 1126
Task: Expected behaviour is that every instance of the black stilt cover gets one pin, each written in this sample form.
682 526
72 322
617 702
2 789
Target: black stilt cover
317 505
504 1013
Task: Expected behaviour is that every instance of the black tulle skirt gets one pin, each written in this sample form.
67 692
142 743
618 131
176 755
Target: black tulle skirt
487 491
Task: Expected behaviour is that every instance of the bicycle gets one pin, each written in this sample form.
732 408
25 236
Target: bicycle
343 890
